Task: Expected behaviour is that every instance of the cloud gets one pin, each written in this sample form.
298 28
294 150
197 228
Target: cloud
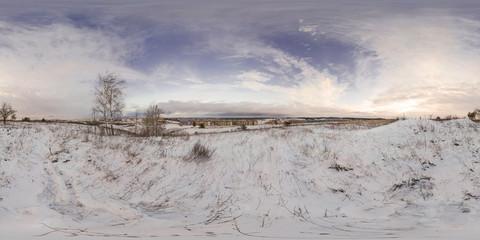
289 76
458 98
255 76
312 29
410 61
371 57
421 67
53 67
245 109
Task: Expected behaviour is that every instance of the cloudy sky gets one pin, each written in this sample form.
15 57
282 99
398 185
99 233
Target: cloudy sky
244 58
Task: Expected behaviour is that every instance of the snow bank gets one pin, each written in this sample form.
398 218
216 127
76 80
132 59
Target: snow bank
409 178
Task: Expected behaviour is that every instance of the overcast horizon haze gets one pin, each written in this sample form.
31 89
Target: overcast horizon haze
341 58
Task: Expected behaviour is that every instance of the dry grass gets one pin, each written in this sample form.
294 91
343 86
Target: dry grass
199 153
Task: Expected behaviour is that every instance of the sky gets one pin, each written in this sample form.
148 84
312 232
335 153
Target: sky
369 58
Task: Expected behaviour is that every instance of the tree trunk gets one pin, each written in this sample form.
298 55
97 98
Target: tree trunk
105 120
111 119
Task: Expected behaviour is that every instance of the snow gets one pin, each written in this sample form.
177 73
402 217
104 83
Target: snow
412 179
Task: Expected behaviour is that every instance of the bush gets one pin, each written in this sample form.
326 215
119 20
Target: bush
194 124
43 120
202 125
340 168
451 117
244 127
26 119
199 153
474 115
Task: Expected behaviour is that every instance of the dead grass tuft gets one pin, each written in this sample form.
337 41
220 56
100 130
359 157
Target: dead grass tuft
199 153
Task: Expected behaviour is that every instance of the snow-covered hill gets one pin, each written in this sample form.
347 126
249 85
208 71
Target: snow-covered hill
412 178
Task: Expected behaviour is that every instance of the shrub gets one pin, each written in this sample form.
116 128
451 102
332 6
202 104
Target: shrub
422 185
340 168
43 120
26 119
451 117
474 115
202 125
244 127
194 124
199 153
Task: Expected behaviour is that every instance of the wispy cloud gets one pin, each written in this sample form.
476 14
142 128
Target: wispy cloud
254 75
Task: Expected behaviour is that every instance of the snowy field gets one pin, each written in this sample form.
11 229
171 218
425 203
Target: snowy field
412 179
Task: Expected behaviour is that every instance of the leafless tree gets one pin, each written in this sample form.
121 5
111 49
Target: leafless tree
94 114
137 113
94 119
153 122
5 111
109 98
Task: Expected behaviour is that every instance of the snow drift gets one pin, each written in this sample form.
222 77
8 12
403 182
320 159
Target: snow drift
409 178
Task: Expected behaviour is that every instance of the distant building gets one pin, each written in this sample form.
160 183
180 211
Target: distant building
222 123
272 121
245 122
210 122
198 123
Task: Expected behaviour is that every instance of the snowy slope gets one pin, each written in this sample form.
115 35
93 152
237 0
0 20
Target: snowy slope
413 178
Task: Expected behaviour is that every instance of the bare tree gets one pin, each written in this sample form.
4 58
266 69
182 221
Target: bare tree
153 122
94 119
137 113
109 98
5 111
